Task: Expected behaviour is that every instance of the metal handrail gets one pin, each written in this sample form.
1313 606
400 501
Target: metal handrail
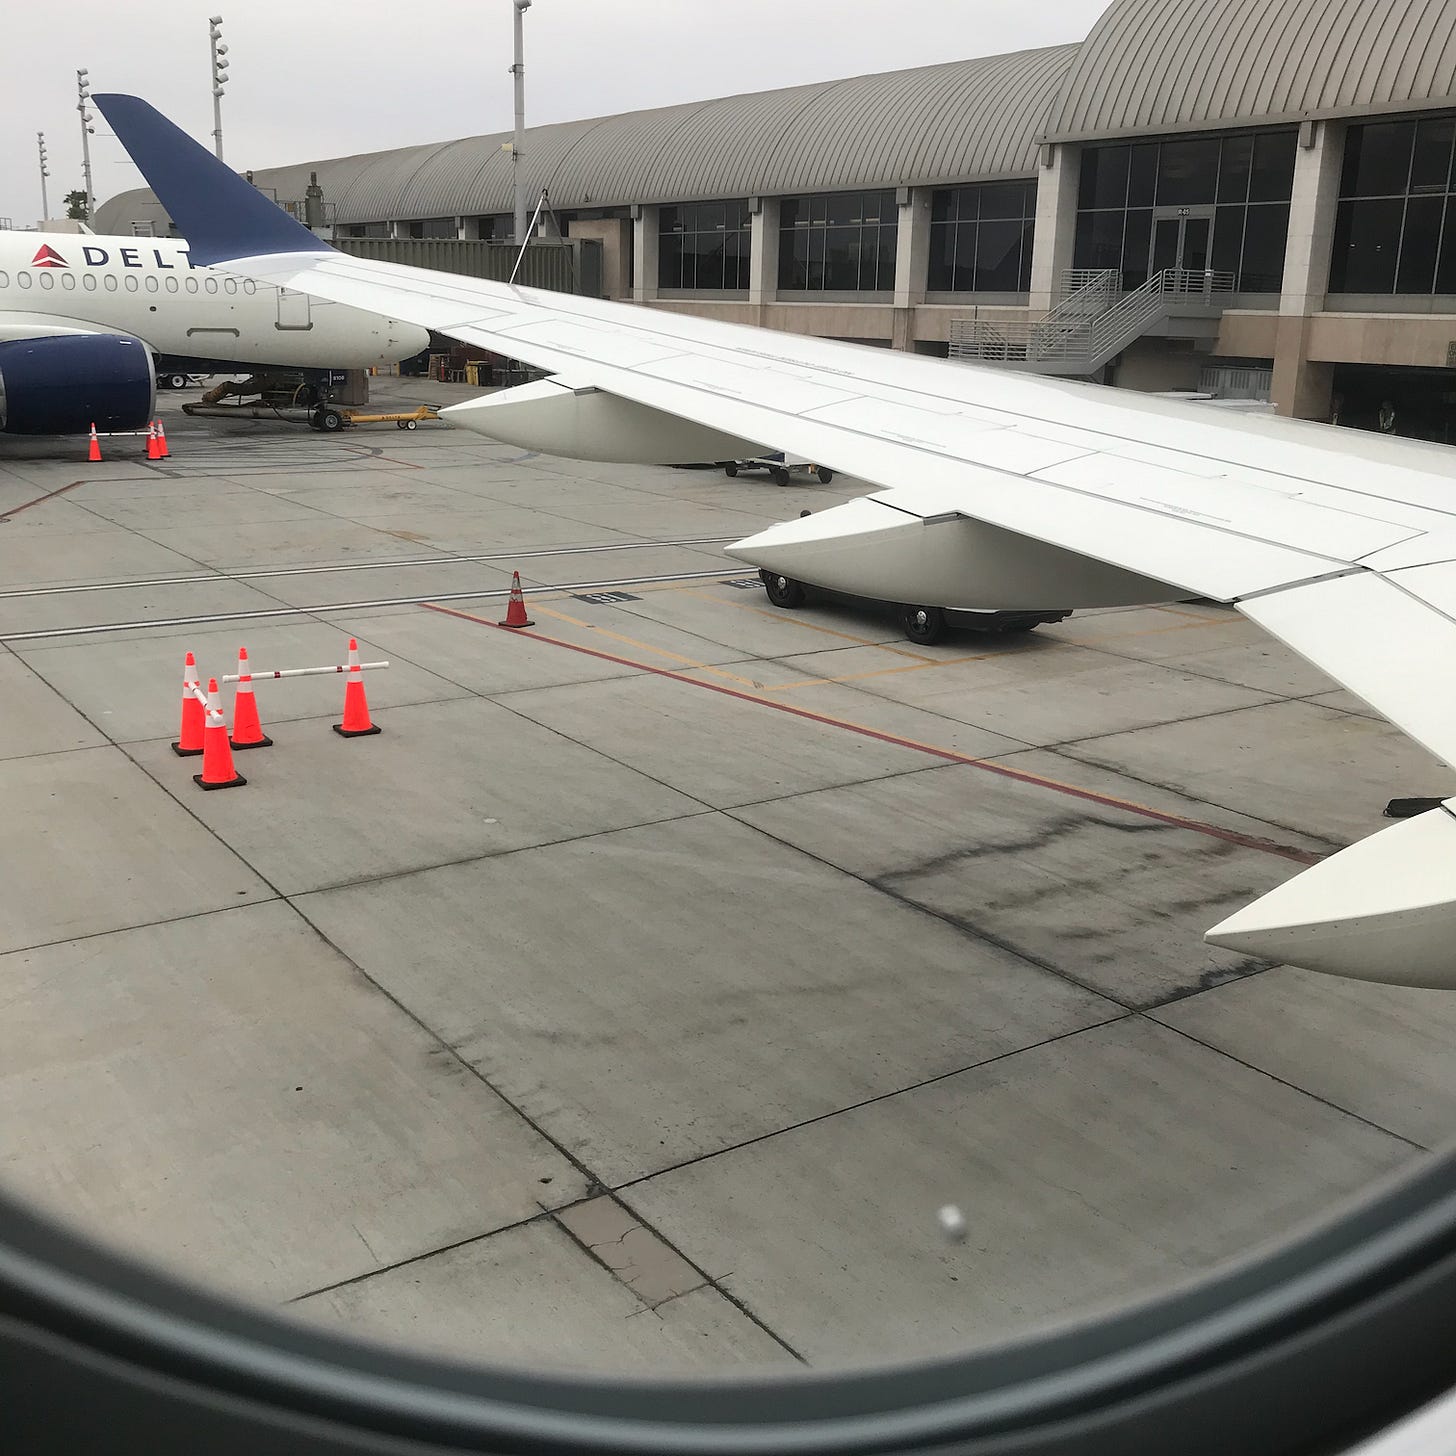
1080 334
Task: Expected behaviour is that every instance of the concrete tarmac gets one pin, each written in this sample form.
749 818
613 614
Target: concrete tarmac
638 996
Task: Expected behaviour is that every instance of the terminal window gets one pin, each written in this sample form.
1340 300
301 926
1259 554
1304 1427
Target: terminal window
1395 227
1236 188
981 238
838 242
704 245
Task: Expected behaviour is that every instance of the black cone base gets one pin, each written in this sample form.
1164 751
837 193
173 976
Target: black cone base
235 782
263 742
357 732
186 752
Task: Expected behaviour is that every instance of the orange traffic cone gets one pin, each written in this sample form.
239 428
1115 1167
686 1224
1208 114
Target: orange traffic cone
93 454
217 758
247 730
152 440
163 453
194 715
516 611
356 722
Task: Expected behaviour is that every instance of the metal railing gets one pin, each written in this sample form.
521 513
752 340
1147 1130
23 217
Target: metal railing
1092 323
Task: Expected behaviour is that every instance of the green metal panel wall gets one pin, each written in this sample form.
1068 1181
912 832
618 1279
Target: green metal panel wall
560 267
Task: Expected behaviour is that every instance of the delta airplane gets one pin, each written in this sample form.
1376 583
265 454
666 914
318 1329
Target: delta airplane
999 491
84 320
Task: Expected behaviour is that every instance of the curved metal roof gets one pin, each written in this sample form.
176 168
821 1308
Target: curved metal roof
1168 65
952 122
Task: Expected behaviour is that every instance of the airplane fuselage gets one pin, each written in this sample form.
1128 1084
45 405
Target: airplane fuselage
148 288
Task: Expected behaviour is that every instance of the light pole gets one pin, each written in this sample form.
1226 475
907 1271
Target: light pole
83 91
520 7
45 206
219 79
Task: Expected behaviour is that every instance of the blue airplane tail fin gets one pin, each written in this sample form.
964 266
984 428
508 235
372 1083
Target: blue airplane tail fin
221 215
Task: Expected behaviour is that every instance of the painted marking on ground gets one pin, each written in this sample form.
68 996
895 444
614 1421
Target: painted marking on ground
776 615
949 755
40 500
688 662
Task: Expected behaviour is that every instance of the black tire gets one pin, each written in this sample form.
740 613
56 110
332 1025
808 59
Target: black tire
825 474
410 424
730 471
923 625
330 421
176 381
780 475
783 591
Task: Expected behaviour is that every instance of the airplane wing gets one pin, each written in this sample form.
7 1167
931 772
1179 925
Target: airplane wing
1000 490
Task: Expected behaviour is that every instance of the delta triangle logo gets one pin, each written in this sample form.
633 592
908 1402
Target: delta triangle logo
47 257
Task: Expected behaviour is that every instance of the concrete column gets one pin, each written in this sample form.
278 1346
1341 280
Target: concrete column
1303 387
912 262
763 255
644 255
613 234
468 228
1057 180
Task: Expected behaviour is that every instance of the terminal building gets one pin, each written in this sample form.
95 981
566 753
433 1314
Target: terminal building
1251 197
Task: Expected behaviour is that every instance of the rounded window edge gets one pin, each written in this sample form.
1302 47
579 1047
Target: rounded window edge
1248 1360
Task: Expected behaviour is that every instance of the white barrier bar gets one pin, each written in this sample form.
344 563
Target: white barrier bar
233 677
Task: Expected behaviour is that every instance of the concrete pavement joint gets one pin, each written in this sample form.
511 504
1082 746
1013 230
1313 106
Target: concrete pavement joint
620 1190
985 765
1282 1081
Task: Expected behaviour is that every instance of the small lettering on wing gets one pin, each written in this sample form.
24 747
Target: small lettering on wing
1185 511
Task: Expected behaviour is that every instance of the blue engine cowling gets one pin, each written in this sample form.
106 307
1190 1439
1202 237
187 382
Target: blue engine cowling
62 384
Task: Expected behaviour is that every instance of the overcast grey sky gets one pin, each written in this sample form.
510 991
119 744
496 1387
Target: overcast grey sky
323 80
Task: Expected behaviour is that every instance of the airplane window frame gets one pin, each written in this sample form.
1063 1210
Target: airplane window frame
109 283
1328 1338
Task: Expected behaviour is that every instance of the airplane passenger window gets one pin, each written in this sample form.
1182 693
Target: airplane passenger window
230 284
249 287
212 285
4 279
110 283
131 284
68 281
192 285
151 285
171 285
89 283
46 281
23 279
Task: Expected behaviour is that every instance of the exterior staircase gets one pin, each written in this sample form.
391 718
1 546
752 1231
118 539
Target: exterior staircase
1094 322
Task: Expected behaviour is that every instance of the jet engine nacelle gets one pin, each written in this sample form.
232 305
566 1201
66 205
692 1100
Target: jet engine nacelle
63 384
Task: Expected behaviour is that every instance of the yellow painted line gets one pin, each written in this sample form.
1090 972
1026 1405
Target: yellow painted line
949 755
849 677
677 657
777 616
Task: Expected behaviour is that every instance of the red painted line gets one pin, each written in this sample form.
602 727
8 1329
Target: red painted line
40 500
1001 770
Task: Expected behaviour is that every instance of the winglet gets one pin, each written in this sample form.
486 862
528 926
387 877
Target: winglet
221 215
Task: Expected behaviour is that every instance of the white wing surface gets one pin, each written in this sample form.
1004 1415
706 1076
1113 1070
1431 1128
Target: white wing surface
998 490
